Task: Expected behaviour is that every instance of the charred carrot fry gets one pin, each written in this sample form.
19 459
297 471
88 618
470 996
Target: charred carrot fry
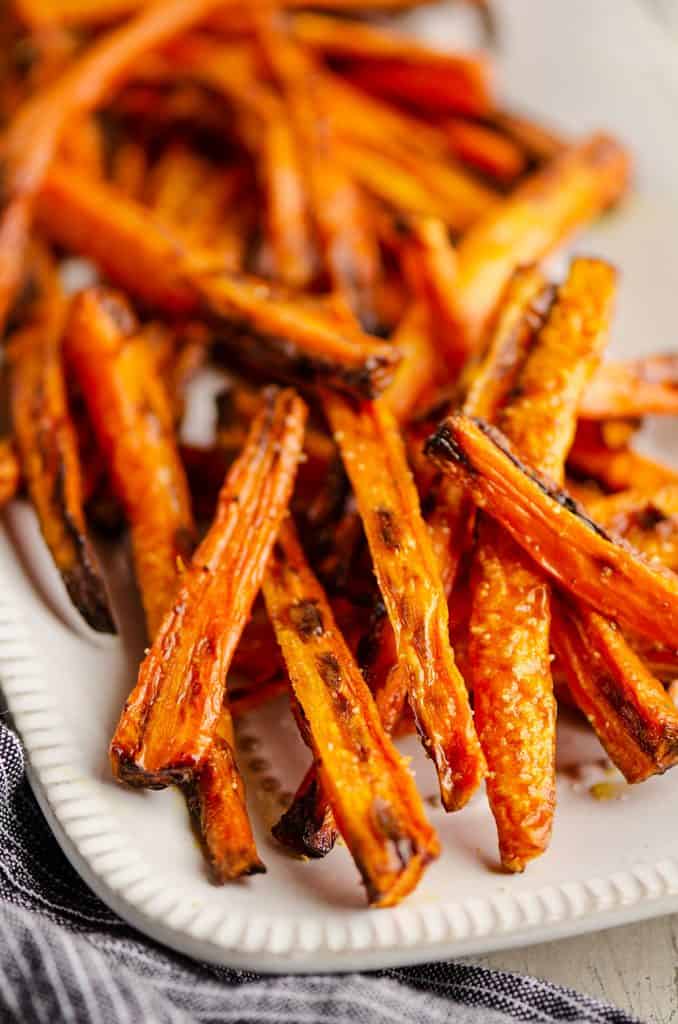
216 800
509 651
629 709
10 473
425 77
372 795
132 417
641 387
166 729
33 136
409 581
50 464
526 299
308 827
484 149
540 213
594 565
293 339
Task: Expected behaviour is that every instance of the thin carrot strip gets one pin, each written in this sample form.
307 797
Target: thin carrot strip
409 581
372 794
34 133
615 467
290 338
167 727
50 462
557 532
484 149
130 412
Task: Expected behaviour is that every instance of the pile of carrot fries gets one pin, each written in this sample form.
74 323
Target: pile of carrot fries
421 509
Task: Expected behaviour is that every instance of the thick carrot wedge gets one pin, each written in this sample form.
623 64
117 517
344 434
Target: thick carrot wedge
641 387
167 727
409 581
291 339
565 195
130 412
629 709
50 463
509 651
34 133
556 531
10 473
373 796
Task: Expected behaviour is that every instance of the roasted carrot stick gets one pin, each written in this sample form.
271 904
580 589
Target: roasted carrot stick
166 729
640 387
410 583
371 792
291 338
509 651
10 473
131 415
50 463
33 136
649 522
615 466
539 143
420 364
557 532
399 67
216 800
484 149
540 213
629 709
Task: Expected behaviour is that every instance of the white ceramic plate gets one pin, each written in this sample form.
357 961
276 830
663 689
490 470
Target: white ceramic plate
585 65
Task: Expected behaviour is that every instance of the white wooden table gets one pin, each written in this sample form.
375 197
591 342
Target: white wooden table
634 967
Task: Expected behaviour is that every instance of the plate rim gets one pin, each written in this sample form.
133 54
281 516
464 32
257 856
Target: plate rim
367 939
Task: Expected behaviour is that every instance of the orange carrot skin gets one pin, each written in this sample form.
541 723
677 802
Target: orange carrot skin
10 473
132 417
410 584
50 462
372 794
641 387
556 531
168 724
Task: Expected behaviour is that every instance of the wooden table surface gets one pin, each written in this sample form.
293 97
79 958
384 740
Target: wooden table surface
634 967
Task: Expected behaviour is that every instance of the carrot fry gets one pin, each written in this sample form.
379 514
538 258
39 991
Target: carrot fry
484 149
649 522
216 801
292 339
34 133
399 67
537 216
597 567
629 709
419 366
308 826
10 473
410 584
641 387
371 792
509 650
131 415
539 143
615 467
50 463
166 728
